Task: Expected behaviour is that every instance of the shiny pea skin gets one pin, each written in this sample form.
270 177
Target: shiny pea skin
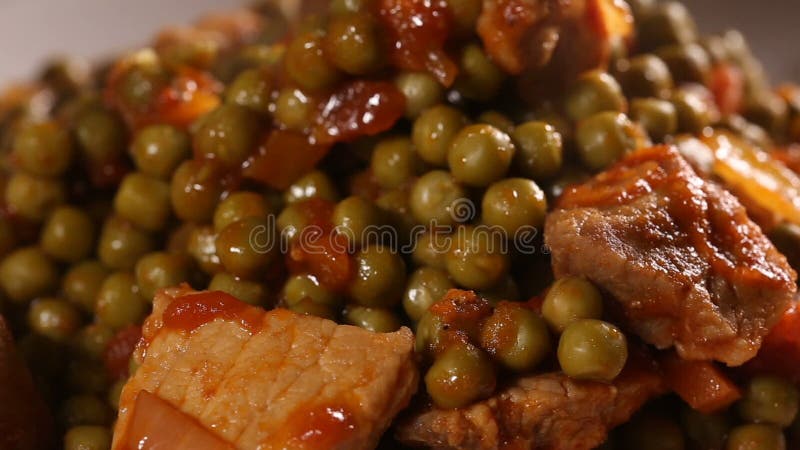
377 320
516 337
592 350
460 376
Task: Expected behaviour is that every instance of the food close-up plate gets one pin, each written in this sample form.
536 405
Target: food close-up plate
391 224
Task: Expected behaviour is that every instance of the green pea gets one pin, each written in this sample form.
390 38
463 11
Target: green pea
479 77
87 376
767 110
480 155
659 118
394 162
119 302
82 282
43 149
433 198
53 318
704 430
115 392
306 286
462 375
539 150
694 113
144 201
687 63
27 273
315 184
251 89
353 44
379 279
668 23
421 91
513 204
308 307
516 337
426 286
251 292
465 15
478 258
87 438
195 190
239 250
68 234
355 218
159 270
377 320
33 198
756 436
652 433
293 109
769 399
592 93
91 340
604 138
238 206
506 289
157 150
142 81
571 299
497 120
85 410
121 244
430 248
433 132
229 133
306 65
592 350
101 135
645 76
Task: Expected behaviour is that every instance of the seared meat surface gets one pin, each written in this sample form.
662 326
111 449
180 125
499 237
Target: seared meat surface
680 256
544 412
268 380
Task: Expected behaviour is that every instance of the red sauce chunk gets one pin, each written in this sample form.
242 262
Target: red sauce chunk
191 311
284 157
504 24
360 108
191 94
118 351
318 427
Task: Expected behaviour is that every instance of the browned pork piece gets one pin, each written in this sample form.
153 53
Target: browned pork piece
219 374
680 256
540 412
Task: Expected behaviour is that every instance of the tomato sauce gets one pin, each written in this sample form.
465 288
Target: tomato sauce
189 312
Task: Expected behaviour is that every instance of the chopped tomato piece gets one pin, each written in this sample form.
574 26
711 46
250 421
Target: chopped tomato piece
283 158
156 424
118 351
727 85
502 26
325 256
781 349
701 384
790 156
416 31
191 94
360 108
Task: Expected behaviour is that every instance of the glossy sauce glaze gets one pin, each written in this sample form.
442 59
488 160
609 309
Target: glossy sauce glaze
189 312
315 427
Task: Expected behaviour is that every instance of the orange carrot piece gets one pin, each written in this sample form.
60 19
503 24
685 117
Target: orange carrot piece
701 384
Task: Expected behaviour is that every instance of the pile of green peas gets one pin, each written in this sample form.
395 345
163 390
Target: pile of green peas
99 214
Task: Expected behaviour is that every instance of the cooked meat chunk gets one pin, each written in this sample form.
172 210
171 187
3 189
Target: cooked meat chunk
543 412
267 380
25 423
680 256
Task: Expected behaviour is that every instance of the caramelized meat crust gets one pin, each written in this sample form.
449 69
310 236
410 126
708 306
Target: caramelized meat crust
679 255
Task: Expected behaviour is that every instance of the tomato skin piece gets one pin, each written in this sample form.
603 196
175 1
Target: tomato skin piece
727 85
701 384
417 31
118 351
283 157
360 108
780 352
